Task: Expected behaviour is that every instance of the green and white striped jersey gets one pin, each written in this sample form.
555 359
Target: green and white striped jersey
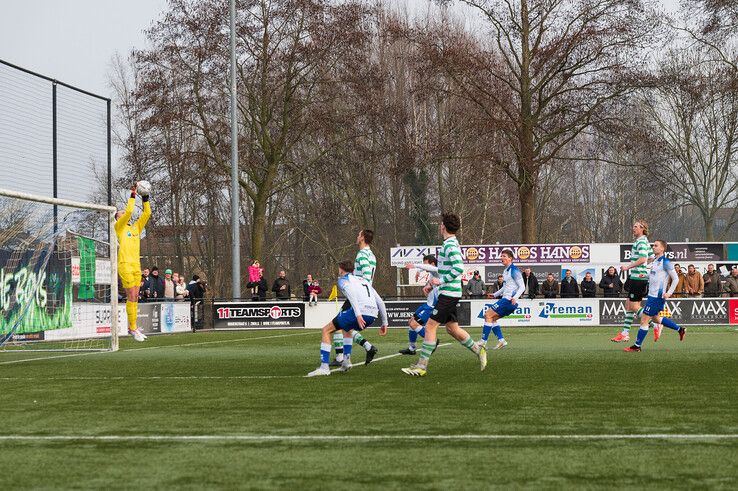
450 267
365 264
641 248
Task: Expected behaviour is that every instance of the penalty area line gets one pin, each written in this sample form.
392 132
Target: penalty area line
130 350
368 438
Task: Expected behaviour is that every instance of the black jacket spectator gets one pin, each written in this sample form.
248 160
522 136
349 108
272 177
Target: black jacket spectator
611 284
550 288
196 288
157 286
531 284
589 288
262 288
569 288
305 284
281 287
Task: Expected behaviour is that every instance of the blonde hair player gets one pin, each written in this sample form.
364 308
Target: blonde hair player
637 285
661 271
129 253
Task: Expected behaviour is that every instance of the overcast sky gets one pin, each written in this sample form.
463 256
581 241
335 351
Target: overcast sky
74 40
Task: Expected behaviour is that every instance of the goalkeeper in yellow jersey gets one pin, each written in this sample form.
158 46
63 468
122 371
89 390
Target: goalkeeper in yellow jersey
129 255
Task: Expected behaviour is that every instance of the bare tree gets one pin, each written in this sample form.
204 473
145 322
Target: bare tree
692 116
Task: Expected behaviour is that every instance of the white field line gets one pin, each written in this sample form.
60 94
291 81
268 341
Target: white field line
187 377
368 438
239 340
387 357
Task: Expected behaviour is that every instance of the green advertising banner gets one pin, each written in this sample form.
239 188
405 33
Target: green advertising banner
35 292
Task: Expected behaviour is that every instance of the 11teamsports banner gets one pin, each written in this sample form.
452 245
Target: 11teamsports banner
240 315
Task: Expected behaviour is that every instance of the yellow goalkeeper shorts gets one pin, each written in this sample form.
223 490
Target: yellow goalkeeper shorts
130 274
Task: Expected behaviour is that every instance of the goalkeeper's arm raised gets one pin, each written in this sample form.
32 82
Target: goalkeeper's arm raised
144 218
123 219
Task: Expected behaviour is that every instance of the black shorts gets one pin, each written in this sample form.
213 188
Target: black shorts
637 289
445 310
346 305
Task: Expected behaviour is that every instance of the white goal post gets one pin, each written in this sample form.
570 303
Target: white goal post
58 275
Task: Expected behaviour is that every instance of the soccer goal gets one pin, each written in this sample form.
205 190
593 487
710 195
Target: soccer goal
58 275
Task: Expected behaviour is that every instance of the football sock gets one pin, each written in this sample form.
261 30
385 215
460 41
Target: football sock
486 329
325 354
348 345
498 332
360 339
421 331
628 321
670 323
468 343
338 344
641 336
412 336
131 312
425 351
367 345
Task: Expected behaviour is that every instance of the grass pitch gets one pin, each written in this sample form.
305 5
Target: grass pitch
558 408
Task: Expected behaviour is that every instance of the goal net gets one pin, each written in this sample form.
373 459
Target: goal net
58 275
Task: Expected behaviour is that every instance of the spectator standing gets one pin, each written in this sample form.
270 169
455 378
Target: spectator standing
156 285
169 285
262 287
313 291
588 286
497 285
550 287
281 287
681 289
569 286
475 286
145 291
695 282
531 283
731 285
306 284
712 282
254 272
610 283
180 291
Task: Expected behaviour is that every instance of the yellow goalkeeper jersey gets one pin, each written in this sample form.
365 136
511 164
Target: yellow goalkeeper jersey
129 236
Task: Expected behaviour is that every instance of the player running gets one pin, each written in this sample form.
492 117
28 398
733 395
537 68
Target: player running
422 313
365 265
513 287
661 271
365 305
129 256
640 254
450 267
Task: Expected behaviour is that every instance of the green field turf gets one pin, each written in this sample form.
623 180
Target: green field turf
237 389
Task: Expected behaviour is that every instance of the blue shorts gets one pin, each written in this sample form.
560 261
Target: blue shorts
346 320
423 313
654 305
503 307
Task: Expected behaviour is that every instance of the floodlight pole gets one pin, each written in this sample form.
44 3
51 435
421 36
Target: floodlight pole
235 229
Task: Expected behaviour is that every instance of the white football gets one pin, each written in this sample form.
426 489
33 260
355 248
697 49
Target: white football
143 188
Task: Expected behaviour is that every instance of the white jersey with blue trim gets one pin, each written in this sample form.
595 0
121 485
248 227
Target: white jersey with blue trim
363 298
661 270
432 297
513 285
